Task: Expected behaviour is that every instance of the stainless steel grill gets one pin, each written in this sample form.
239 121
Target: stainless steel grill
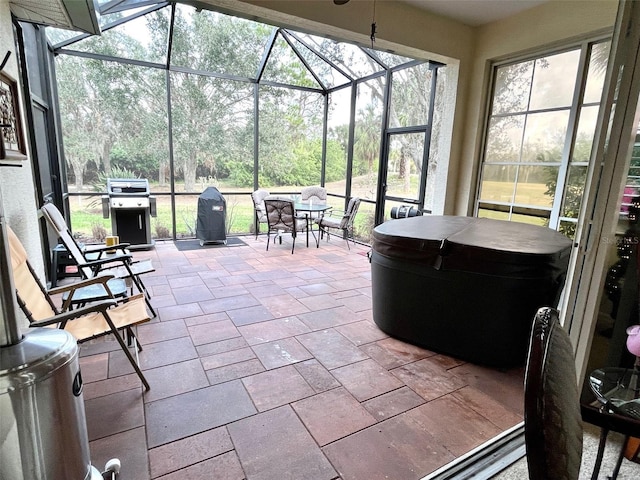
129 204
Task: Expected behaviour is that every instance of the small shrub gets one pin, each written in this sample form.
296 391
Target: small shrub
162 231
99 232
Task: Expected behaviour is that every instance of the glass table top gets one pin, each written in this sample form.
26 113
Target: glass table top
618 389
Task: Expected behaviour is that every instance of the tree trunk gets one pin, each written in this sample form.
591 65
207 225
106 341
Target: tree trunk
78 170
404 170
163 173
106 158
189 171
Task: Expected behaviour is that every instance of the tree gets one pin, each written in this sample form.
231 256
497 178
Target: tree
205 109
215 58
102 103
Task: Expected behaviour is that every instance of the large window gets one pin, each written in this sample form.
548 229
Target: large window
539 134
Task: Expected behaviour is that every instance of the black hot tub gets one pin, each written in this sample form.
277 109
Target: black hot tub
467 287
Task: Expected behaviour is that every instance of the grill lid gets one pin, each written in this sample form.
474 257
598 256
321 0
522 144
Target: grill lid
128 186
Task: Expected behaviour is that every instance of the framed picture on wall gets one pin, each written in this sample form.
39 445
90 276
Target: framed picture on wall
12 144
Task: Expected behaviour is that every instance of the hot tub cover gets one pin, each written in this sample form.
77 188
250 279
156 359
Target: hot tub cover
473 244
468 287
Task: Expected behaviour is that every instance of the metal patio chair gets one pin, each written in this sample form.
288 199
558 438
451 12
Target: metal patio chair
339 221
281 218
98 259
84 323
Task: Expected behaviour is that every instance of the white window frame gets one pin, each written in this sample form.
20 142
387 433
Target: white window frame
553 215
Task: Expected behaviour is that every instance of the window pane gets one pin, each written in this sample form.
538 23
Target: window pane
284 66
290 138
544 136
162 223
212 125
144 38
597 70
532 186
186 215
329 76
530 219
496 215
554 80
86 218
389 59
404 165
111 131
120 4
498 183
586 132
410 90
390 204
107 18
58 35
213 42
512 86
504 139
346 56
568 228
240 214
364 222
435 187
574 189
366 148
337 141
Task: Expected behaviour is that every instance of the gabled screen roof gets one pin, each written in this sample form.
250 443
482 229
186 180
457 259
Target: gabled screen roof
139 30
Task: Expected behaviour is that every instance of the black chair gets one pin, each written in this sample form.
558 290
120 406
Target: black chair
552 421
281 218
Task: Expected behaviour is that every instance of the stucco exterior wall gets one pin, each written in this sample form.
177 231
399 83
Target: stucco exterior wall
16 183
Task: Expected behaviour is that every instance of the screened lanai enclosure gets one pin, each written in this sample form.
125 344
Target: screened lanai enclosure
188 98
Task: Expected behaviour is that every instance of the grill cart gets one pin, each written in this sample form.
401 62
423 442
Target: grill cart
130 205
212 208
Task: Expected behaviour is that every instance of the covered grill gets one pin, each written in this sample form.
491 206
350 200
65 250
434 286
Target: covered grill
211 222
130 206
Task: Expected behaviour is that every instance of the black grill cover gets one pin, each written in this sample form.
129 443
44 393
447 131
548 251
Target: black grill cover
211 222
465 286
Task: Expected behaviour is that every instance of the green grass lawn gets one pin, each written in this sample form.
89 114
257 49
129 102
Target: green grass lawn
88 223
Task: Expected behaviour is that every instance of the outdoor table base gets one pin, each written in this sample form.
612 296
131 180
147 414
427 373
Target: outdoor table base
308 209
